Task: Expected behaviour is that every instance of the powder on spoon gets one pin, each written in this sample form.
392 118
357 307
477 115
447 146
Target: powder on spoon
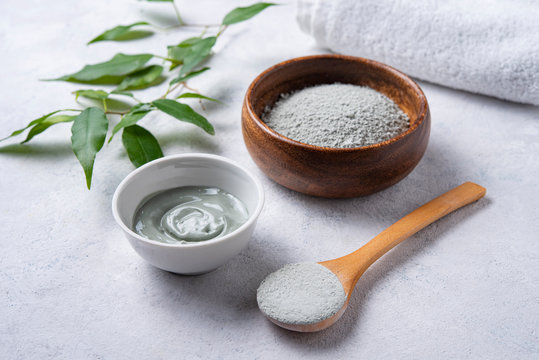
337 115
301 294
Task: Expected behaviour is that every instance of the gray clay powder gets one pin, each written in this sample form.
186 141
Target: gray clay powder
300 294
337 115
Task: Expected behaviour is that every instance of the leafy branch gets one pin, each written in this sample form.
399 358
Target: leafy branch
126 73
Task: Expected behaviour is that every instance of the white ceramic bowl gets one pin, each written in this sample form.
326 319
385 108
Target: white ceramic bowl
188 170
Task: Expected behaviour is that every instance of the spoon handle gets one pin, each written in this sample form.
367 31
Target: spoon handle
349 268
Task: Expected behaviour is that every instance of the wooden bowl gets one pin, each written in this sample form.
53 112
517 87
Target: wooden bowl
334 172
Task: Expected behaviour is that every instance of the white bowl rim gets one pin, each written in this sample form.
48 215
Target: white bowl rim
252 217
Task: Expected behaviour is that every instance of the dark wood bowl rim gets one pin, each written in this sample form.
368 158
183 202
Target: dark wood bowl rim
279 137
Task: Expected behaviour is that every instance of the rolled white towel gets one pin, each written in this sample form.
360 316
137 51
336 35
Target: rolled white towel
484 46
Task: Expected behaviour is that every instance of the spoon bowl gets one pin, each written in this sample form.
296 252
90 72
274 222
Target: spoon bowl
349 268
324 324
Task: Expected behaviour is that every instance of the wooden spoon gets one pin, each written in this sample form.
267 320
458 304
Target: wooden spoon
349 268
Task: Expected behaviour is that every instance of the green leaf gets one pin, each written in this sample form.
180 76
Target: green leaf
112 71
121 33
190 41
174 64
197 52
245 13
30 124
197 96
88 136
124 93
186 77
91 94
184 113
47 123
141 145
132 117
180 51
142 78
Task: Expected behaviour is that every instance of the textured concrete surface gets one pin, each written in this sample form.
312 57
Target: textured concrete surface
72 288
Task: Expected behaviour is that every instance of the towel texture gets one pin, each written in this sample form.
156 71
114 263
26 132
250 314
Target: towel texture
483 46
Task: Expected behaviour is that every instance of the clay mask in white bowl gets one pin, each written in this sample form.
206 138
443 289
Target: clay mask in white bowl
201 170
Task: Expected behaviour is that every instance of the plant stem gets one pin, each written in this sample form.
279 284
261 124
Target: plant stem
177 13
184 25
109 112
171 89
221 30
195 91
190 88
167 59
202 25
204 31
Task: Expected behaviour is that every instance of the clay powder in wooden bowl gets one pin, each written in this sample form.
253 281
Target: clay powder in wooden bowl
334 172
